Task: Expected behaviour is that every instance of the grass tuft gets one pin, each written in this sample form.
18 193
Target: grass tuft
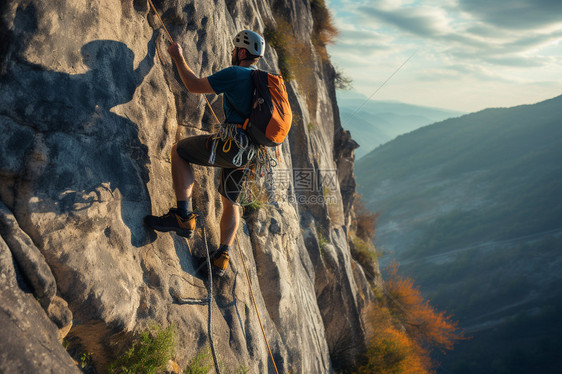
149 353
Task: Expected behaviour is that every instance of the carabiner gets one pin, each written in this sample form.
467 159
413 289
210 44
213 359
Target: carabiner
229 142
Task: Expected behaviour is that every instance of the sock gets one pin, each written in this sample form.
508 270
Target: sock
218 253
223 248
184 208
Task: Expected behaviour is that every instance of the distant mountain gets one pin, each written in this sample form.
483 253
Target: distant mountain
472 209
373 123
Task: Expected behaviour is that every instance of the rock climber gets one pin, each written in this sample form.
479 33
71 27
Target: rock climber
228 150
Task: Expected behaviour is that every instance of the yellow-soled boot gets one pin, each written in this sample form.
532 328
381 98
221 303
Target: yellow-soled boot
220 260
172 221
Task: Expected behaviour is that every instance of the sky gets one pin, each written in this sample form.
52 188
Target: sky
464 55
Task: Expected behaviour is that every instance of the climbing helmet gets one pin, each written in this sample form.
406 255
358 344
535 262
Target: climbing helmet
252 41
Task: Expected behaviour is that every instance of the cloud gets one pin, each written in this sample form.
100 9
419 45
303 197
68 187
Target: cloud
514 61
460 74
531 41
476 42
475 23
515 14
362 43
464 35
516 52
424 21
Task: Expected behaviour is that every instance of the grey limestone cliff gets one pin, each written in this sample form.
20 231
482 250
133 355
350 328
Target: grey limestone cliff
90 105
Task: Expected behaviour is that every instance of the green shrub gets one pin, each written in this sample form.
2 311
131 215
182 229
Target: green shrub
366 255
252 206
242 369
281 39
324 31
342 81
149 353
85 360
365 221
295 58
322 241
201 363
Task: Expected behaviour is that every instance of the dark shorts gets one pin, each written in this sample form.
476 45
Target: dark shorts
197 150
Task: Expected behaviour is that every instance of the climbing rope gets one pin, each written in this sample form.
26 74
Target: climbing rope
255 305
210 319
162 22
209 300
171 41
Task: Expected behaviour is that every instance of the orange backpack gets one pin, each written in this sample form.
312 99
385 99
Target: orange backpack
271 116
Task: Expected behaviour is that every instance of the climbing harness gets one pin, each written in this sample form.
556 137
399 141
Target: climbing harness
229 133
262 164
260 160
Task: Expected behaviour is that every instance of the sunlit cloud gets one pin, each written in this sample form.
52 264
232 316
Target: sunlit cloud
475 43
422 21
515 14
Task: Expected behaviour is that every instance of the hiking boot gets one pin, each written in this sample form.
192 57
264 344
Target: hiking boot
172 221
220 262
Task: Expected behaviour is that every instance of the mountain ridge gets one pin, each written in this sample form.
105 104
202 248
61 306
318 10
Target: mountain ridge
373 122
472 209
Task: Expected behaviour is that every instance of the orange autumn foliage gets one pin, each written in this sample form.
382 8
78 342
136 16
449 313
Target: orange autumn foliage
403 329
391 350
423 322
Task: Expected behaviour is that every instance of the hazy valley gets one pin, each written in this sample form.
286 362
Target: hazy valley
471 207
373 123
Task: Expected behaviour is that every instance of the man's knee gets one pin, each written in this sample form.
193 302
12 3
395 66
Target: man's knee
175 156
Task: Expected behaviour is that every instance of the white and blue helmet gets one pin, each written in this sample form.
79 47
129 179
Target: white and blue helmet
252 41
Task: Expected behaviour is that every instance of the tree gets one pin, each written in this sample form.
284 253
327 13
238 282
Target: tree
403 329
428 326
390 349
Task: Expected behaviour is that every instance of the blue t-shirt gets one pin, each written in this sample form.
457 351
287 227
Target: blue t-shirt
235 83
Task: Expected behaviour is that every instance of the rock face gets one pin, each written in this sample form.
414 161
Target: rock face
90 105
29 338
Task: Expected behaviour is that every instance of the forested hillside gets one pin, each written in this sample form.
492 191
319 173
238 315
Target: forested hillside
472 209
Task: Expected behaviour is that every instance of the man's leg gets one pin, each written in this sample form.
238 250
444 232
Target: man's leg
230 220
177 219
182 178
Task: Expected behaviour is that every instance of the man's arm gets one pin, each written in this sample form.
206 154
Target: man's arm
189 79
